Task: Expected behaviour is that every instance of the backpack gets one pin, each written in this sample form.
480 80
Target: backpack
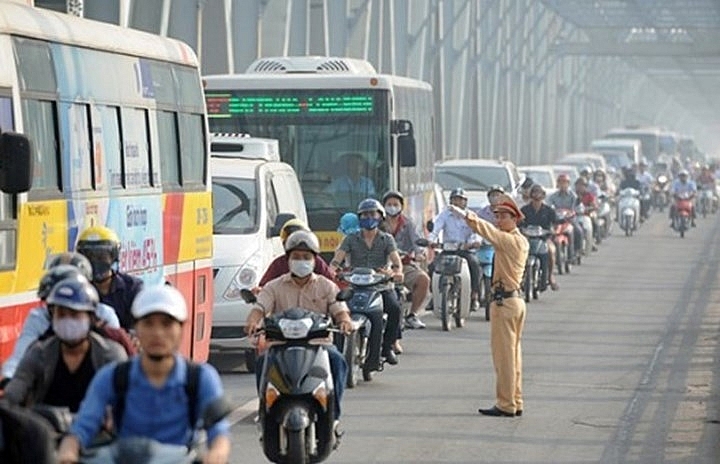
24 437
121 379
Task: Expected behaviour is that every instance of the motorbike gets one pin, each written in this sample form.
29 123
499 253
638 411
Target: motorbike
366 307
706 200
584 217
661 192
561 236
485 255
451 289
683 212
535 279
603 219
296 418
645 198
628 210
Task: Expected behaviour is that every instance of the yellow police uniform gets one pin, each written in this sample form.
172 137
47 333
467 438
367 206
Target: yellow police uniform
507 319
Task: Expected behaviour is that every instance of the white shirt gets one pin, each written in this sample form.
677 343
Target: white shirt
453 229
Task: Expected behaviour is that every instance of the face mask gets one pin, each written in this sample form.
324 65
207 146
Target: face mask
300 267
70 329
369 223
393 210
101 270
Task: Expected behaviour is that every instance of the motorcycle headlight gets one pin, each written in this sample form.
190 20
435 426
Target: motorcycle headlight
246 277
295 328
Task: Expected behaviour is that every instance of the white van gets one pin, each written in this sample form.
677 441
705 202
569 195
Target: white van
254 194
631 147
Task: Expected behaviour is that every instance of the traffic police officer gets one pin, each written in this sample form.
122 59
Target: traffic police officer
507 310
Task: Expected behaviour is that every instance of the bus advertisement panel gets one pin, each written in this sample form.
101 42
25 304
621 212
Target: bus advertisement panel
116 120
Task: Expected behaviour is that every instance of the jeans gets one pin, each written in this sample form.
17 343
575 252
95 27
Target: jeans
139 449
338 368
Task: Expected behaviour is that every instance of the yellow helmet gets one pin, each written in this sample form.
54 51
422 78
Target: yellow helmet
291 226
101 246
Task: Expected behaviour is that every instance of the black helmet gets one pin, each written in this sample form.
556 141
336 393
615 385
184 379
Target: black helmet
458 192
54 275
496 189
370 204
586 171
537 188
74 293
302 240
393 194
73 258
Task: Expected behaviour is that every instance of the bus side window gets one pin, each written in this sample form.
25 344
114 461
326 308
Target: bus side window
169 150
41 126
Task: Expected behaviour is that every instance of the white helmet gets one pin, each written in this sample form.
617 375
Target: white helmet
160 299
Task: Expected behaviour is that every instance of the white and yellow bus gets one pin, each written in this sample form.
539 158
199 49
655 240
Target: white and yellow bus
322 109
117 129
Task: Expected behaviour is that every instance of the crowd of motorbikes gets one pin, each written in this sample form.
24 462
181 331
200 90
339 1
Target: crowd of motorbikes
296 386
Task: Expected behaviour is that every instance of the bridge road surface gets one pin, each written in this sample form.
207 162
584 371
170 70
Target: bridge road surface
622 364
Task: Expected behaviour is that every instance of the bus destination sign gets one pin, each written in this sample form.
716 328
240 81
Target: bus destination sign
228 105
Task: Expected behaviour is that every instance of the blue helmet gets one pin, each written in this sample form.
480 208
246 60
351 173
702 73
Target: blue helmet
74 258
74 293
349 224
370 204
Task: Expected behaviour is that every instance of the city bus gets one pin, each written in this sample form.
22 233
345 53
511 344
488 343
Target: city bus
117 133
335 118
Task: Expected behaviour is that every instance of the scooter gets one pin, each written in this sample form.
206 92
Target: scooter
485 255
451 289
706 200
603 219
562 233
366 308
683 212
536 275
628 210
660 192
296 416
584 219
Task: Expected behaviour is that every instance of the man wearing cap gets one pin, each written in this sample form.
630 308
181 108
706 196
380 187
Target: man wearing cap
155 411
507 310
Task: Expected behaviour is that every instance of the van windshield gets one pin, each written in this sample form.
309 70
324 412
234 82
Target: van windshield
472 177
235 206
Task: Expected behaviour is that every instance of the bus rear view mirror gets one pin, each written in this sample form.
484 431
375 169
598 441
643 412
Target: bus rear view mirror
16 163
403 129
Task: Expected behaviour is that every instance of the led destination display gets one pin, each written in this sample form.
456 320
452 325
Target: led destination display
228 105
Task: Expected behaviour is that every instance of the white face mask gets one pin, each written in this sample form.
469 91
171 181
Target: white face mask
393 210
300 267
69 329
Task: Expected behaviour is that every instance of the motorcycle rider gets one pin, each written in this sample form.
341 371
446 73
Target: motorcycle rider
564 198
706 181
302 287
486 212
373 248
155 406
646 180
589 202
587 174
405 233
279 266
57 371
101 246
683 184
604 184
39 319
455 229
539 213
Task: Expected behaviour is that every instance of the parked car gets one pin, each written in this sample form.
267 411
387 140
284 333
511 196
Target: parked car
541 174
254 194
476 176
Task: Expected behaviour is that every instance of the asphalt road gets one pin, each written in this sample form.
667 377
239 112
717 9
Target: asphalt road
622 364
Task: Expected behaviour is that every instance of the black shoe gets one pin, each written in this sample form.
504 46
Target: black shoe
518 413
390 357
495 412
692 224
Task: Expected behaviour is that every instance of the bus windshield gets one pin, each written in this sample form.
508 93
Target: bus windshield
338 141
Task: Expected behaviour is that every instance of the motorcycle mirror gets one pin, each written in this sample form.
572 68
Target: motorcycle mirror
429 226
422 242
247 296
345 294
